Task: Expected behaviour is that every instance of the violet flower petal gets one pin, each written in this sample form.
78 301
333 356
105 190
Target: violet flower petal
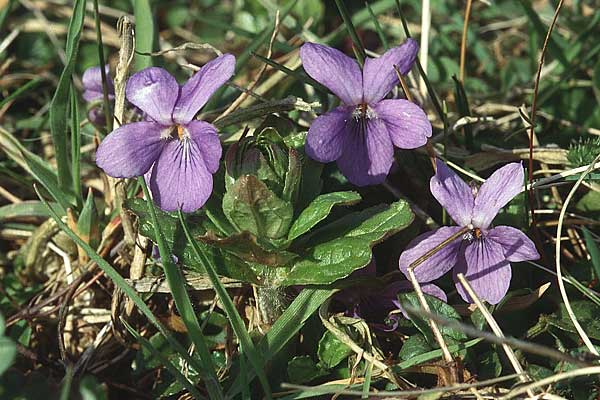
92 83
326 135
335 70
516 245
379 76
130 150
198 89
154 91
496 192
486 269
452 193
368 153
439 263
406 122
207 140
180 178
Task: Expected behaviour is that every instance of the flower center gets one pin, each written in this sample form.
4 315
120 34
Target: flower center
473 234
175 132
363 111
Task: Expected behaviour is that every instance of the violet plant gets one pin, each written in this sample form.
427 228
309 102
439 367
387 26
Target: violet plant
483 253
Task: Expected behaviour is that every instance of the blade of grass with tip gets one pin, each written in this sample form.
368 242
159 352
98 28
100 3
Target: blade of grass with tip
286 327
120 282
234 317
145 33
60 101
358 46
164 361
380 32
76 149
183 303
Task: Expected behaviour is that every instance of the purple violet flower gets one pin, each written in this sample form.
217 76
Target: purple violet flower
361 133
374 305
484 254
92 84
92 91
176 153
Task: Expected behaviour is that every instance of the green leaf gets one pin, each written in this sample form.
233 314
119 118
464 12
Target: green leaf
437 307
589 202
594 251
302 369
586 313
489 365
319 209
414 346
327 262
225 263
251 206
373 224
237 323
8 349
331 350
60 100
432 355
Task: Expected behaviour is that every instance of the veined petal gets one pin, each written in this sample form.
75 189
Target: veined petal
92 83
207 140
452 193
406 122
439 263
327 133
516 245
379 76
154 91
368 153
486 269
130 150
198 89
180 178
496 192
335 70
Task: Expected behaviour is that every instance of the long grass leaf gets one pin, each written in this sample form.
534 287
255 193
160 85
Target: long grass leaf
76 149
183 303
120 282
60 100
164 361
380 32
145 33
234 317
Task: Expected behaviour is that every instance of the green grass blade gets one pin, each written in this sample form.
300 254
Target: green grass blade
183 304
120 282
107 109
380 32
145 33
65 390
234 317
164 361
4 13
286 327
76 149
300 75
358 46
32 84
60 100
